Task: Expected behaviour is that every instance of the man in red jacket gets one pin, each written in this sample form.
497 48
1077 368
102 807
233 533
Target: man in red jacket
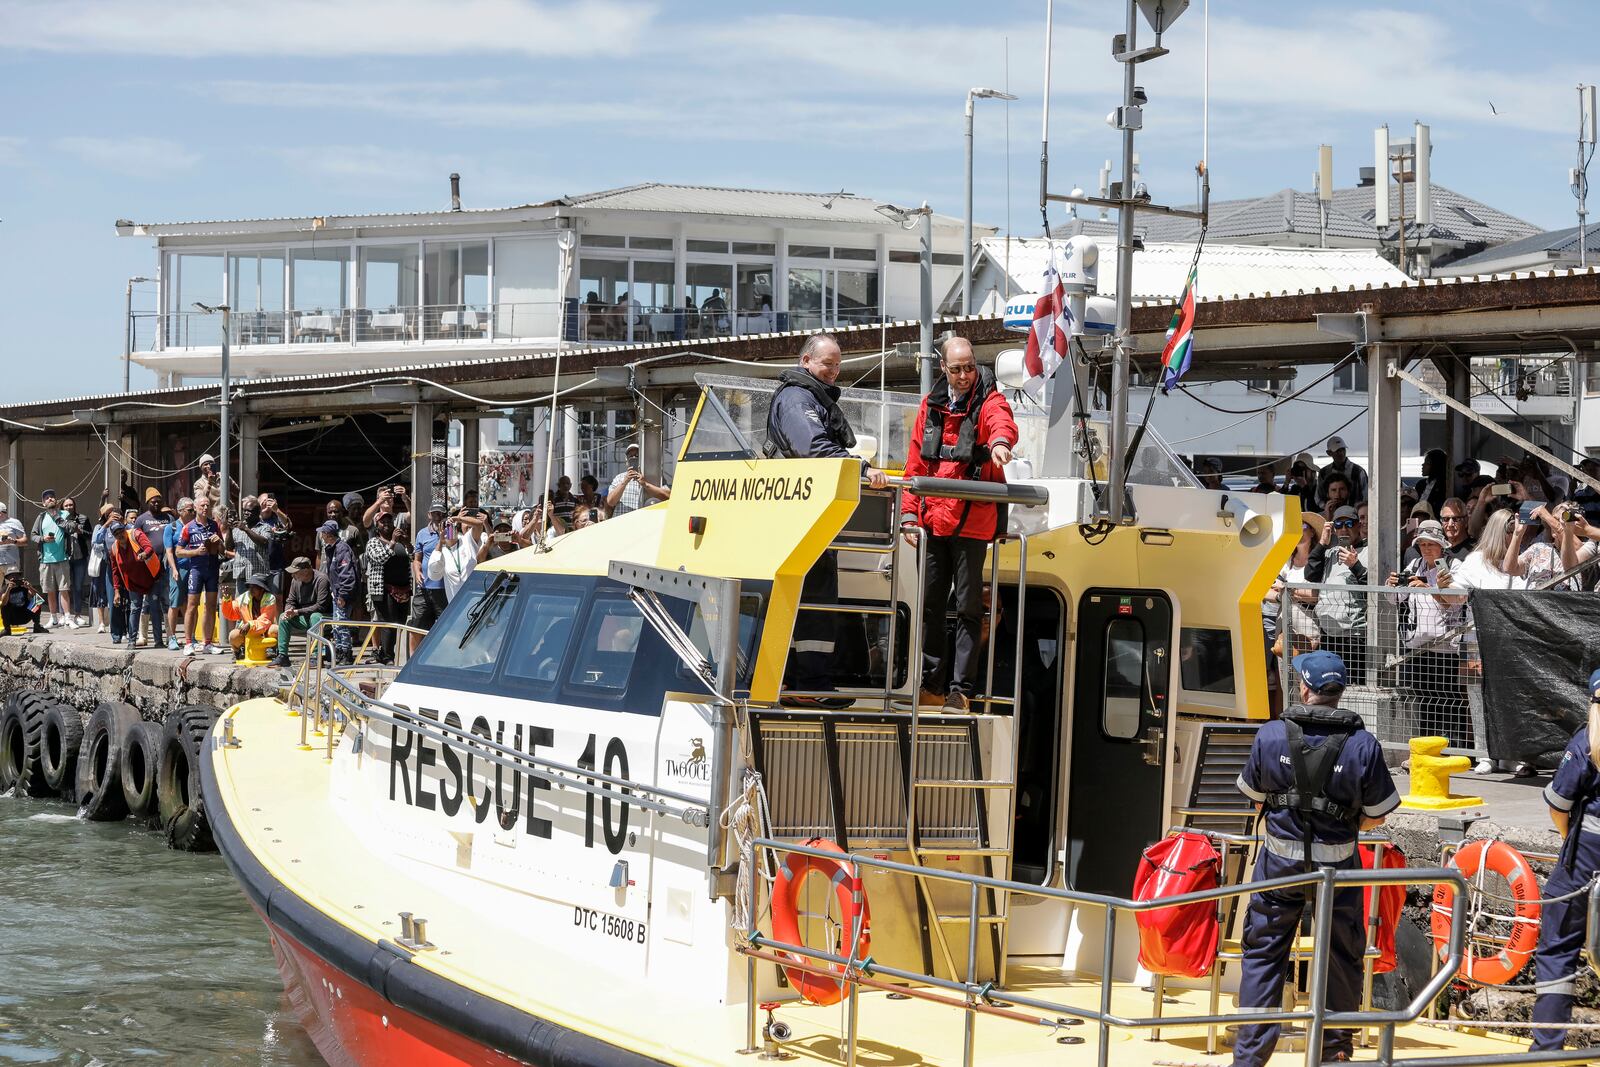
132 580
965 430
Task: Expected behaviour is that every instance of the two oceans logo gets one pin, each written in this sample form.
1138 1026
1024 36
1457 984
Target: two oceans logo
694 767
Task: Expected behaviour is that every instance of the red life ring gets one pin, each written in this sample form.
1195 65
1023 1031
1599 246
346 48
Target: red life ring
852 898
1508 863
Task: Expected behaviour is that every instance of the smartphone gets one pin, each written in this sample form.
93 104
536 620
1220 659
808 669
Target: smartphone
502 538
1525 513
1500 489
449 529
594 514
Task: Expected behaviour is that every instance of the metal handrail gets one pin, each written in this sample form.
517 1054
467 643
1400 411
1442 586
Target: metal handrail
977 996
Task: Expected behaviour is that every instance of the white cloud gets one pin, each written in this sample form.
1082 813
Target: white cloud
193 28
11 151
139 157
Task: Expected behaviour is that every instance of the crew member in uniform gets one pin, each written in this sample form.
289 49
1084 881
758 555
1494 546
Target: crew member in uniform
805 421
1318 777
1574 798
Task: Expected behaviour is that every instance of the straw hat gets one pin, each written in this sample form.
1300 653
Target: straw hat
1315 521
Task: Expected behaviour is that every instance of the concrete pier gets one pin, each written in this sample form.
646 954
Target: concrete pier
83 668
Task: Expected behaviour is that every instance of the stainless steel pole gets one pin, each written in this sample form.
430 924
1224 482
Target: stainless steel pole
1119 359
222 466
926 358
966 235
127 348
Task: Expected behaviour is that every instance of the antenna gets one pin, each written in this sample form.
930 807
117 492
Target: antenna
1580 173
1586 115
1105 189
1324 186
1380 187
1421 151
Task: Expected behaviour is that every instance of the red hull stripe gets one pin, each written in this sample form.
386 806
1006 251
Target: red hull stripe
487 1030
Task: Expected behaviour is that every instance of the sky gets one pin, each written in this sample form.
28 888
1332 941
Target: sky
198 109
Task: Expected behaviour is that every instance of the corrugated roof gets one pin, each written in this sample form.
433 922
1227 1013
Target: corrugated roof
1456 217
1225 271
756 203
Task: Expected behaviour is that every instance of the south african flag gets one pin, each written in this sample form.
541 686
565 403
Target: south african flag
1180 336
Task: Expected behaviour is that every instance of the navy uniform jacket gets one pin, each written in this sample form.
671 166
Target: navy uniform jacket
1360 780
1576 776
803 422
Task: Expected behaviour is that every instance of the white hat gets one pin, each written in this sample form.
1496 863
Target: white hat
632 447
4 506
206 458
1335 443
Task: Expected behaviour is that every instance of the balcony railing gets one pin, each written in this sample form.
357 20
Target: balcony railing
468 323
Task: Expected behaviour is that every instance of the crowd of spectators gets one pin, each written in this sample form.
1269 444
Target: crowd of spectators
1464 527
197 578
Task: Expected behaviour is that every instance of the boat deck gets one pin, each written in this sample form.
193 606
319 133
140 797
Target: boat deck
279 797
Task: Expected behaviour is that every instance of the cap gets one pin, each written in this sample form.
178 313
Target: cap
1345 512
300 564
1320 669
439 506
1213 464
13 575
47 494
632 447
1423 508
204 459
329 527
353 500
1431 530
4 507
1335 443
151 493
1594 680
1466 466
114 527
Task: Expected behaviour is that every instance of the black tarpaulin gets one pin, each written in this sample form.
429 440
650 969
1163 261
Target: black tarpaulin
1538 648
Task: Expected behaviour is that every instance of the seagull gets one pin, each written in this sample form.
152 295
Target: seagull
1492 109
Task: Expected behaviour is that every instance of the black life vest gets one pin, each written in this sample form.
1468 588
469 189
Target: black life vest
966 450
1313 768
837 426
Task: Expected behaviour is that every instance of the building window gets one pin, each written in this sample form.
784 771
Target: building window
714 247
1351 378
652 285
808 251
940 259
754 248
525 278
1591 378
389 277
602 240
319 279
862 255
653 244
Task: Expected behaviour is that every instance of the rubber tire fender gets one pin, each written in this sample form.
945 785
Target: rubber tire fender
180 804
63 736
12 740
21 743
138 769
100 761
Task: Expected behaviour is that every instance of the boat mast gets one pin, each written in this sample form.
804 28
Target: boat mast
1128 199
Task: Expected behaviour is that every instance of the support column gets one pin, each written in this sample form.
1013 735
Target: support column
1383 427
471 450
540 446
652 426
14 475
1458 431
249 428
422 416
571 446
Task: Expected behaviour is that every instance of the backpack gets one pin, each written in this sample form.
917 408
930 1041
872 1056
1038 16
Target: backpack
1179 941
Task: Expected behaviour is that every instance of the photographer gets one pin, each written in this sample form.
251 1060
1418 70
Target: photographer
591 506
456 556
200 542
1342 617
1501 494
21 605
630 488
1430 672
501 541
1533 553
52 533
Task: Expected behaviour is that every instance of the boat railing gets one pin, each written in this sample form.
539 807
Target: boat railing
333 697
988 998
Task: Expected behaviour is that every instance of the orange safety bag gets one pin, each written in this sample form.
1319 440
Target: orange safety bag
1181 941
1391 902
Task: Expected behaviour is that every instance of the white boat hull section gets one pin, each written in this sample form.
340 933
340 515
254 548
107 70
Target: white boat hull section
594 878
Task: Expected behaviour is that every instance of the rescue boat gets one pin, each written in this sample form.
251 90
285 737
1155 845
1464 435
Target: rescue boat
579 827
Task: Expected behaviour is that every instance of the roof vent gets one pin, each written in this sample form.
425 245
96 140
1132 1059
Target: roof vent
455 192
1368 176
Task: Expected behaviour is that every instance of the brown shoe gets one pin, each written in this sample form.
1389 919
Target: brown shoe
927 698
955 703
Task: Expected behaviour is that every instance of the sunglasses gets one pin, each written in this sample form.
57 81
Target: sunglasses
1344 524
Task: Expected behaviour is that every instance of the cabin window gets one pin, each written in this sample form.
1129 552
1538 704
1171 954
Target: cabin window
751 608
470 636
1124 679
609 646
1205 660
541 643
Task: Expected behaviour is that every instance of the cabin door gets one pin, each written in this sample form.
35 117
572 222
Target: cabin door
1120 726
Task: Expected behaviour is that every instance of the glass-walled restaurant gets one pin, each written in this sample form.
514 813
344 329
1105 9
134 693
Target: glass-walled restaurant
485 289
624 288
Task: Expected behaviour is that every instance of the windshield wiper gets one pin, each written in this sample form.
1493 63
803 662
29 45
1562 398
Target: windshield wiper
500 590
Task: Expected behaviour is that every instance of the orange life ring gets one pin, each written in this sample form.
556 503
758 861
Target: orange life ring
1508 863
852 898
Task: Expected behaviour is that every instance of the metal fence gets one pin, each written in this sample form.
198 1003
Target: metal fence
1411 656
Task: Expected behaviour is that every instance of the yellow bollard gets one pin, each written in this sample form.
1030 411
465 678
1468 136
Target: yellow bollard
1430 777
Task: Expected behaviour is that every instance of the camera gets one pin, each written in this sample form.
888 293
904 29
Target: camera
1500 489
